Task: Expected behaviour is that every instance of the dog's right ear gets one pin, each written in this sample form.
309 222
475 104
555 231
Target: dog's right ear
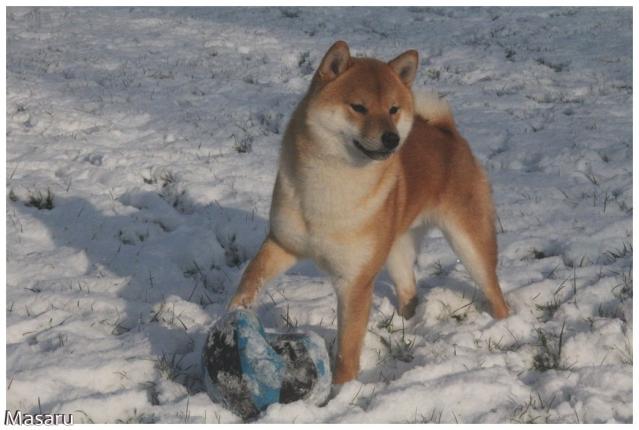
336 60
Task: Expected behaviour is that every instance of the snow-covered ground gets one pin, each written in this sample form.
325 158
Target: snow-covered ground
156 133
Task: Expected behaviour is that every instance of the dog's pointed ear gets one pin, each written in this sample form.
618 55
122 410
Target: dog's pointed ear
405 65
336 60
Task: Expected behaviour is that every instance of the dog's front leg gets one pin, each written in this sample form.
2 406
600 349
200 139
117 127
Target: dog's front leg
353 307
270 261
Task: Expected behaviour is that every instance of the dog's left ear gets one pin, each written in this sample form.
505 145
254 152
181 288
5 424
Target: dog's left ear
405 65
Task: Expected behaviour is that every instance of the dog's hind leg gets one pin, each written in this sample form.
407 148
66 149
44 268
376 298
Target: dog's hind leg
400 265
270 261
470 230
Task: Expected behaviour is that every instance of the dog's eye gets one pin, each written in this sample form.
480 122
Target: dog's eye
393 110
359 108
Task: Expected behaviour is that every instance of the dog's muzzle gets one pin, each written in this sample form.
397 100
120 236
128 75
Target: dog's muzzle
382 154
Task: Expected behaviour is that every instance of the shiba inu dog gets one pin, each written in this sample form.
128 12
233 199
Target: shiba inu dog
366 167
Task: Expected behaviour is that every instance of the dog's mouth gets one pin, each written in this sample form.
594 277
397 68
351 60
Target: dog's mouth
375 155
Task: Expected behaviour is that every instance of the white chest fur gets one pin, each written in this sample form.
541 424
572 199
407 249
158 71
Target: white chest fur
319 212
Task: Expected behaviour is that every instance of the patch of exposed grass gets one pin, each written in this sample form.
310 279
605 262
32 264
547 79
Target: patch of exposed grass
623 290
549 308
206 280
41 201
458 314
534 411
289 322
166 315
617 253
549 354
232 254
243 144
86 419
138 418
435 417
170 367
625 352
173 368
398 344
499 345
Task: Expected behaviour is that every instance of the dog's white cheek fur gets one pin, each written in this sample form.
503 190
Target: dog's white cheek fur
404 125
331 130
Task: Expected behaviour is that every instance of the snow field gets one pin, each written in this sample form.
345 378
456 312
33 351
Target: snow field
142 148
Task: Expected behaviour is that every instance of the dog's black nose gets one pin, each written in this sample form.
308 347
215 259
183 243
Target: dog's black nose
390 140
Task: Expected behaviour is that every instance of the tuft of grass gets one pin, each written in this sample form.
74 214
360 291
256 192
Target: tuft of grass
617 253
433 74
41 201
171 367
460 314
186 415
498 345
549 355
289 322
401 348
534 411
167 316
591 177
117 325
625 353
171 191
435 417
549 308
623 290
387 323
232 254
209 283
243 144
138 418
89 420
551 273
168 178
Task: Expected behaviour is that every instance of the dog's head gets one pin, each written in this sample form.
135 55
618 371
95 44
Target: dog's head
361 109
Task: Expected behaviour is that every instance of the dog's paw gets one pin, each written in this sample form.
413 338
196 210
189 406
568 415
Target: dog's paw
407 311
240 302
500 312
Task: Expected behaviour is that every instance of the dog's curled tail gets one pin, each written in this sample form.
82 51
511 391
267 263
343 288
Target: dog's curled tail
434 109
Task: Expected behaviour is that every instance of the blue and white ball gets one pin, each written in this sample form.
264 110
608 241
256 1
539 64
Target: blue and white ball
247 369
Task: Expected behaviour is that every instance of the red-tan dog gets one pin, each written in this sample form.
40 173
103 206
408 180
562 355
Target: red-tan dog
365 168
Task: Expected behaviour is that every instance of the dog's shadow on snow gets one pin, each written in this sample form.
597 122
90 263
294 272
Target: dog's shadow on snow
165 259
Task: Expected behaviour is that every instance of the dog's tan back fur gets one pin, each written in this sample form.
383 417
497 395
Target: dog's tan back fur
351 214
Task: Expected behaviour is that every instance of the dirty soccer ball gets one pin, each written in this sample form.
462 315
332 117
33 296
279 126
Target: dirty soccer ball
247 369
